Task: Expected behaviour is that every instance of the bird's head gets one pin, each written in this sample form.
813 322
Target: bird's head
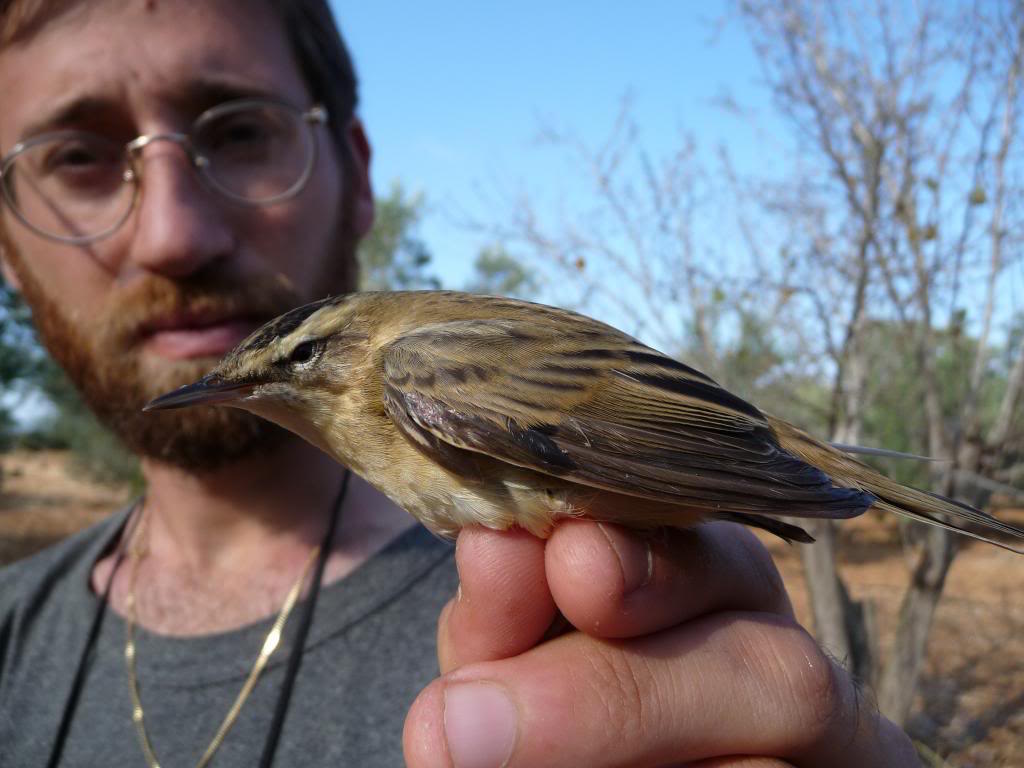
291 371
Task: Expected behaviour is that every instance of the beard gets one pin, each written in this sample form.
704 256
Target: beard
106 363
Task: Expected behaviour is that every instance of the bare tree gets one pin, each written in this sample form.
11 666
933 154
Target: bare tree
909 158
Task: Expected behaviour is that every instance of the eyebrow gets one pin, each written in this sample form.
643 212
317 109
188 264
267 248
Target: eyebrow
194 98
199 95
77 110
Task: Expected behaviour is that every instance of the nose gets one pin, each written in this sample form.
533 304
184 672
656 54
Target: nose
181 226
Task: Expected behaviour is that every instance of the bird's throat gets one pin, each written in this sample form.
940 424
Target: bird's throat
288 417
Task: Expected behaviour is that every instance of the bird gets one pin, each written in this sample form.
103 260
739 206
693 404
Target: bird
467 409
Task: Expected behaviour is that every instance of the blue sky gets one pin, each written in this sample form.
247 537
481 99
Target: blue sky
454 93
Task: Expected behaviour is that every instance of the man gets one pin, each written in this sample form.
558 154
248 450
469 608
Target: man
130 643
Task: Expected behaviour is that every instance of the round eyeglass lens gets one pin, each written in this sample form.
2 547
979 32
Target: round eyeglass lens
70 186
254 151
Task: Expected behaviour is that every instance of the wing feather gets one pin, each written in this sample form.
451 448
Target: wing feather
578 400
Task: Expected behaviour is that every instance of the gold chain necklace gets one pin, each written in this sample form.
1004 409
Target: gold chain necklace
137 551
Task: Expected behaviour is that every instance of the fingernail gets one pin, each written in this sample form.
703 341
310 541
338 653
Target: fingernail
635 557
480 724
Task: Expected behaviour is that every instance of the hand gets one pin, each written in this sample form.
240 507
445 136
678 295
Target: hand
686 652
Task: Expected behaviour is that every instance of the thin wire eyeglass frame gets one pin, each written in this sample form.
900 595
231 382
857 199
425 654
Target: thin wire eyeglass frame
314 116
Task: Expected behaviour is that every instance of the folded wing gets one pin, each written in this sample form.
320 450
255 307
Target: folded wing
570 397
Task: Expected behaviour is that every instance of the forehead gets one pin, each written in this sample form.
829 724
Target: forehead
151 59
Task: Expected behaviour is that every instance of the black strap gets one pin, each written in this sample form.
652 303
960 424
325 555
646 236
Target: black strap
83 661
295 657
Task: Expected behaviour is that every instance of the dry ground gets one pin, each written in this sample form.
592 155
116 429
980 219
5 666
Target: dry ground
970 709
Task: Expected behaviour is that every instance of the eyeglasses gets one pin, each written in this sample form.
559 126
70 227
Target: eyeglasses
77 187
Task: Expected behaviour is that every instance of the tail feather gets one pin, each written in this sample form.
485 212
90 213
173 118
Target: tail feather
891 496
931 508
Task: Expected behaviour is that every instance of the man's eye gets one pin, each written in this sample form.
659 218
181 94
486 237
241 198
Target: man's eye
79 164
238 133
72 156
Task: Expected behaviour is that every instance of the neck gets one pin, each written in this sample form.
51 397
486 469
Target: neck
223 547
279 499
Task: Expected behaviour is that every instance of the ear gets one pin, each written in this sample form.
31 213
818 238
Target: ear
361 152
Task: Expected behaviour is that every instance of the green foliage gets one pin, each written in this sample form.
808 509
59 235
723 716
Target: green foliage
12 358
20 357
894 414
1016 330
7 427
13 361
497 272
392 256
25 366
753 357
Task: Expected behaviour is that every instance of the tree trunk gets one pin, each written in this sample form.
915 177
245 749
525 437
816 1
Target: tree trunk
898 681
842 625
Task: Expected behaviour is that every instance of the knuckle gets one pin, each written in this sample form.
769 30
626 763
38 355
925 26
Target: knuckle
815 686
808 684
621 688
822 691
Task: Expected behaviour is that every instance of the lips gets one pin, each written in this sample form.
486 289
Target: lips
184 336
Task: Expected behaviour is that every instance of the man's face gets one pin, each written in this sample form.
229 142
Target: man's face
190 273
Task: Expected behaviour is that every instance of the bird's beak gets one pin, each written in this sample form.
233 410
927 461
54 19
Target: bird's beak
209 390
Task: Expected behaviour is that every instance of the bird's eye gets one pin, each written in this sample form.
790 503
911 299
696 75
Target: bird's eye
304 353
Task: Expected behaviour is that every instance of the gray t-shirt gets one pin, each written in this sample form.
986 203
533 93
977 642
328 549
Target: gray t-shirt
371 648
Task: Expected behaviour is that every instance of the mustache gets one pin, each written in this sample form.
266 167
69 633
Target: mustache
150 302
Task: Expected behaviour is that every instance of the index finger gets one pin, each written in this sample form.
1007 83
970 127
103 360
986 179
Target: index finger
597 575
614 583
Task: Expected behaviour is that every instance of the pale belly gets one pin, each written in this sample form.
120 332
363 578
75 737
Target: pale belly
445 503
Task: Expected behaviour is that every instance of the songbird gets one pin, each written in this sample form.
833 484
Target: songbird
468 409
